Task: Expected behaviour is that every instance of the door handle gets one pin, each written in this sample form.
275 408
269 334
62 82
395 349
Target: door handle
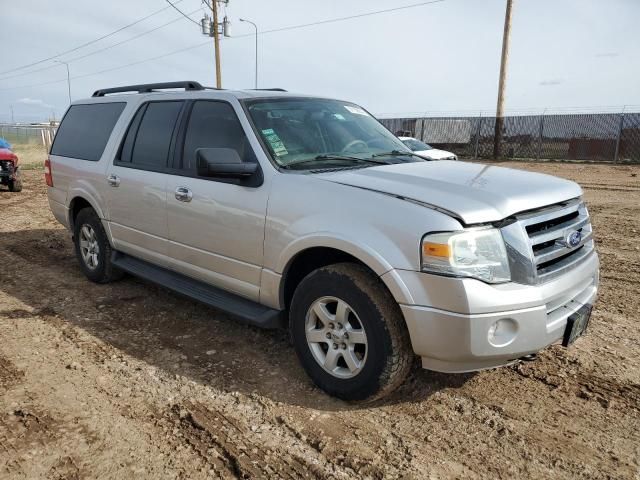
113 180
183 194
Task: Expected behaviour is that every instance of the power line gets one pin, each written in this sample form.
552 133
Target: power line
281 29
350 17
111 69
182 13
87 43
102 49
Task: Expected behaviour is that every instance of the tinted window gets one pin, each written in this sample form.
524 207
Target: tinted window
127 146
153 139
85 130
214 125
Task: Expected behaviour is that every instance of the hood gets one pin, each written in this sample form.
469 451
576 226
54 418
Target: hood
471 192
434 154
6 154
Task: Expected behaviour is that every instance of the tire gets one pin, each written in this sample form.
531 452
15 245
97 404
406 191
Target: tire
16 185
93 249
382 357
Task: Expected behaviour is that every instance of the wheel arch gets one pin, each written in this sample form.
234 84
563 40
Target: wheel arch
314 253
77 203
306 261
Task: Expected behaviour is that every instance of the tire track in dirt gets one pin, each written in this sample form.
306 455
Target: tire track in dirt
9 374
584 384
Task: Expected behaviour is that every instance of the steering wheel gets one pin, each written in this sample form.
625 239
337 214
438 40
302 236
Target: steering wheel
353 143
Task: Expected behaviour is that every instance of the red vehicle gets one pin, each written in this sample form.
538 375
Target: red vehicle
10 174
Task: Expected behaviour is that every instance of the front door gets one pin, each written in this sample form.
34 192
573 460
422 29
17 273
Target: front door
216 226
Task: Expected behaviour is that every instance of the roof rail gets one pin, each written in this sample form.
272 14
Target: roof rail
269 89
149 87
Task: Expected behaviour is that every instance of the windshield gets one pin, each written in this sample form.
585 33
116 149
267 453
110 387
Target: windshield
311 133
416 145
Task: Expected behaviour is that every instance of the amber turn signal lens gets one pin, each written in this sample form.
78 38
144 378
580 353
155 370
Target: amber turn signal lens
436 249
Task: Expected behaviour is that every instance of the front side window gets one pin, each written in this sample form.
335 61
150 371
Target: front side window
311 133
153 134
416 145
85 130
214 125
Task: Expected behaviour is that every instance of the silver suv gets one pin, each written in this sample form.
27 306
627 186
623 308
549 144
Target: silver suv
306 213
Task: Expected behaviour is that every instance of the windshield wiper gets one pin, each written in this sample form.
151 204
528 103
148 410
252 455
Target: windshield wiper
335 157
397 153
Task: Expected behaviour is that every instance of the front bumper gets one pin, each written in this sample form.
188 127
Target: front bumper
452 321
6 176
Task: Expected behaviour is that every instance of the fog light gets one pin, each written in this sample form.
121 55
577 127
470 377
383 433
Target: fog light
502 332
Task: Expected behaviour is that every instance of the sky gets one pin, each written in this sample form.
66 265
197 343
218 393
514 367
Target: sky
441 57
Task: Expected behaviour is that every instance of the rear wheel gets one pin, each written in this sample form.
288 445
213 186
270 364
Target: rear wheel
349 333
93 250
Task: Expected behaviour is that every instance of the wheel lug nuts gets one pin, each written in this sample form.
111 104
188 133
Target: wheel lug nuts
345 336
343 346
335 346
332 326
328 335
339 326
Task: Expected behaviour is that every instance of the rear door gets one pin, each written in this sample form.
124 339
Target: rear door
216 231
138 182
82 146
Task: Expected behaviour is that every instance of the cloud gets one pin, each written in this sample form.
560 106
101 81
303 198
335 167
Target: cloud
34 102
550 82
607 54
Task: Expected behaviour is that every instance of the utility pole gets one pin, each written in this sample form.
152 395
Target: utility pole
212 29
11 108
497 140
216 42
68 78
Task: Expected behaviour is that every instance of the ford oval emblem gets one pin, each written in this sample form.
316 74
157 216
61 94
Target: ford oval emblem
574 238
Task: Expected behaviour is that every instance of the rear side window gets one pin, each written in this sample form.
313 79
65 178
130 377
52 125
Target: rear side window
152 135
214 125
85 130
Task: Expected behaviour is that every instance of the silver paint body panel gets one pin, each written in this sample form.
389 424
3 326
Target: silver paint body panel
243 239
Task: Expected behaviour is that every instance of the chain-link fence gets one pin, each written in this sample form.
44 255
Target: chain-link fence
17 134
609 137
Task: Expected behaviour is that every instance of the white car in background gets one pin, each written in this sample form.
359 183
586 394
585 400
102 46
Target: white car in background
427 151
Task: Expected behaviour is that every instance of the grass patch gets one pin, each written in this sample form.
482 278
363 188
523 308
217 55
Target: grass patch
31 157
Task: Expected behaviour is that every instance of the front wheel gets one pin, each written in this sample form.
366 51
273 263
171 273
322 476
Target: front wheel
349 333
15 185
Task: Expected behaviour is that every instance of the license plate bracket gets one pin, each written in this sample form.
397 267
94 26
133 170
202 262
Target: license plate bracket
577 324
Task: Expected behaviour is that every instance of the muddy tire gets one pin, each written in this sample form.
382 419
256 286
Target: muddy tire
16 185
349 333
93 249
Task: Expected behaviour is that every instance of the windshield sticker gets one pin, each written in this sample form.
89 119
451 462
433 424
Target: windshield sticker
339 116
356 110
276 144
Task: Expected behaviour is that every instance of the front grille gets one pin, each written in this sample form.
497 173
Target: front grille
540 241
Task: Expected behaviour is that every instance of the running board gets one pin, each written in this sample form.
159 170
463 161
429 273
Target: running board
245 310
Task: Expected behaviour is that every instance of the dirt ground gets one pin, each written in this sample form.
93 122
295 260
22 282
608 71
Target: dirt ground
129 380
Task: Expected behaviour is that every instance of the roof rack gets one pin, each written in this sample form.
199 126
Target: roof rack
269 89
149 87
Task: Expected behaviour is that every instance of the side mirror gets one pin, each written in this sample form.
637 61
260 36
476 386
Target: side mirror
222 162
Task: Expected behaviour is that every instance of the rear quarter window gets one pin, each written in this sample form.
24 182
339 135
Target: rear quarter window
85 130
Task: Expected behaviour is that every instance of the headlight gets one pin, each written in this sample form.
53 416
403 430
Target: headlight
478 253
